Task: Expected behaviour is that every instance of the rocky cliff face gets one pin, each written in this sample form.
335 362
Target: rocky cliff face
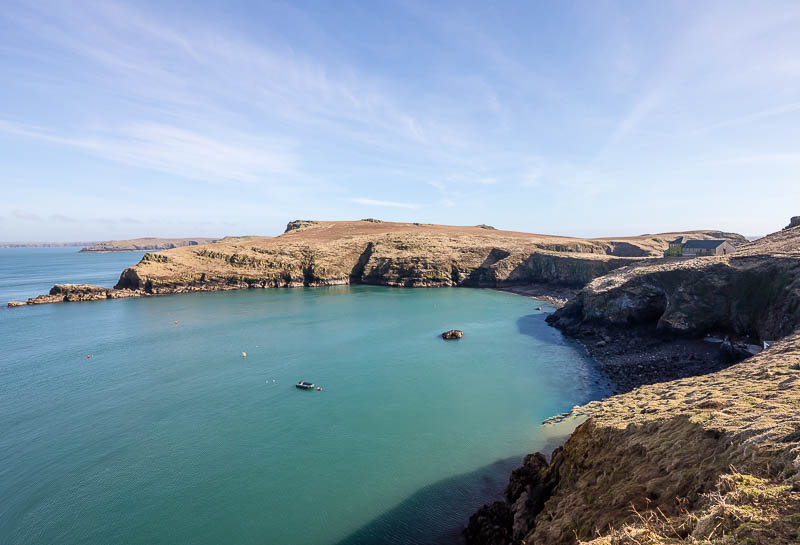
711 459
753 293
393 254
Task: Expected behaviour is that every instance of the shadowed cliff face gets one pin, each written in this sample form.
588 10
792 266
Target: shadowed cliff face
392 254
755 293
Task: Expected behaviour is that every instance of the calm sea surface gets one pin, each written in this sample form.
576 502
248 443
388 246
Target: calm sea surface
168 435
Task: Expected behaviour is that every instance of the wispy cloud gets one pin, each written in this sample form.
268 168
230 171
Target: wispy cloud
390 204
177 151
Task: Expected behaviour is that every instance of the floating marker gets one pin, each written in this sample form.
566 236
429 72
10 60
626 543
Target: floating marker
244 355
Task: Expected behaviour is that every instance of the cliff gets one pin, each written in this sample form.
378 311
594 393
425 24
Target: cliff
145 244
753 293
712 459
312 253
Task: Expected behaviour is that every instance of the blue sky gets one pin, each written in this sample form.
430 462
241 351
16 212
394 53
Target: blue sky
213 118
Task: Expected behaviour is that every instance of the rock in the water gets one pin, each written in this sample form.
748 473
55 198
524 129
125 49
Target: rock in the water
68 293
452 334
17 303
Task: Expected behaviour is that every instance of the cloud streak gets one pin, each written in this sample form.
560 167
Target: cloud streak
178 151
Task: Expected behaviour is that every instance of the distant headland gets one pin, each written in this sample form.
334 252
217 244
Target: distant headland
146 244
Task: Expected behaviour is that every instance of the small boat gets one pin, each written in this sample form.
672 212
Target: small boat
303 385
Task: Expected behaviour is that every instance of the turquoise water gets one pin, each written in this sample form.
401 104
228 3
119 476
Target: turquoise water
28 272
167 435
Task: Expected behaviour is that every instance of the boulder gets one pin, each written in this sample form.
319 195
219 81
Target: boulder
794 222
490 525
733 352
452 334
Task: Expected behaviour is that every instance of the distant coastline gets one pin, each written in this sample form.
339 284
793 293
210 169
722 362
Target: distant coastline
45 244
147 244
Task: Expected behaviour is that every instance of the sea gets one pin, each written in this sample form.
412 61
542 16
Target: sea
175 419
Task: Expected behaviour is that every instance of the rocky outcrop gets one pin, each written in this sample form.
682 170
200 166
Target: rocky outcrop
452 334
70 293
750 296
794 222
509 521
16 304
297 225
711 459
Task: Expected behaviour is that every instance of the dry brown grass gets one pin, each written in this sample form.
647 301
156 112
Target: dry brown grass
392 253
742 510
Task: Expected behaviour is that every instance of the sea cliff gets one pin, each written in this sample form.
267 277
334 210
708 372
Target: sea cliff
711 459
314 253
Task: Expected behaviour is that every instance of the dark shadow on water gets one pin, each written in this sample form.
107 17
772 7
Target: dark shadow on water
534 325
436 514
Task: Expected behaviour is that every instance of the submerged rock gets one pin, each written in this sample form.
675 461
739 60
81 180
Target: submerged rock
452 334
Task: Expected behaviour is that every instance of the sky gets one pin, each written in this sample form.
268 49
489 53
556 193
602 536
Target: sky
583 118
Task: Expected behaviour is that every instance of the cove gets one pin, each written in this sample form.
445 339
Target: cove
167 434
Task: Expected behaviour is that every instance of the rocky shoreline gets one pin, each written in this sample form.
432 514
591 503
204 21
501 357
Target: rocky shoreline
695 448
312 253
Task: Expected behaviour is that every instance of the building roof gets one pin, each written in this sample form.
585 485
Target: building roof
679 240
704 244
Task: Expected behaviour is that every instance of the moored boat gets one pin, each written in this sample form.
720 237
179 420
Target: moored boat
303 385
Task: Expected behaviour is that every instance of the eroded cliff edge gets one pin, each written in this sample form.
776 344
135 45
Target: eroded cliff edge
712 459
313 253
